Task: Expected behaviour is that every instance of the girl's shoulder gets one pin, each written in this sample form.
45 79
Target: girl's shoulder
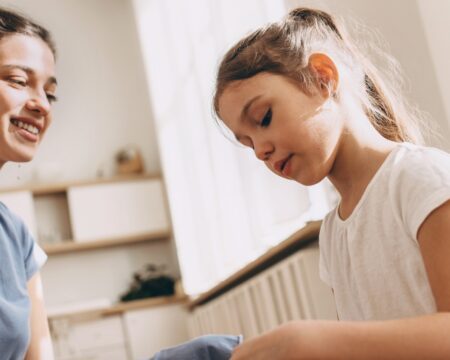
408 150
419 182
420 164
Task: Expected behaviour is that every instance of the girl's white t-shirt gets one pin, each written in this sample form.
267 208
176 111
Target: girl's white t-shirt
372 260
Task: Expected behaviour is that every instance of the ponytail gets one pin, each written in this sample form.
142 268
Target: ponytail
284 47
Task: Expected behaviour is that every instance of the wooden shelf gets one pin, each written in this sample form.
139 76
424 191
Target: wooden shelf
121 307
69 246
44 189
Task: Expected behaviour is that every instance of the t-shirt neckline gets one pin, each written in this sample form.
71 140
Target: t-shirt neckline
372 181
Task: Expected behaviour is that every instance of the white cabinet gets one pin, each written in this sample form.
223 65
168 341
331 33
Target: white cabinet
88 215
133 334
95 339
115 210
151 330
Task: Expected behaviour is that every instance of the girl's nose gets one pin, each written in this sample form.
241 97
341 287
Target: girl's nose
263 150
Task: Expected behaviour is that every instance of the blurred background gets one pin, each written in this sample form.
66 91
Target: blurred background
134 181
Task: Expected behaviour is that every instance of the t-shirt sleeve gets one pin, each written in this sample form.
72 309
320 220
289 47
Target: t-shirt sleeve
420 185
35 259
34 256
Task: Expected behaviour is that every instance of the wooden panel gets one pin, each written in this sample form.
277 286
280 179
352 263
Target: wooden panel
120 308
61 187
117 210
69 246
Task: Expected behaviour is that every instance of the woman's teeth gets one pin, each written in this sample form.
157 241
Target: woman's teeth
28 127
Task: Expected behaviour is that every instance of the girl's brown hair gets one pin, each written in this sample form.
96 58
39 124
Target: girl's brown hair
284 47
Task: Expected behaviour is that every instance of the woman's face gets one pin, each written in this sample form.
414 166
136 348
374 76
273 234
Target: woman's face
27 89
294 134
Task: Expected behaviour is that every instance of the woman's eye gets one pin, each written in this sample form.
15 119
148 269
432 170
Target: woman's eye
265 122
18 81
51 98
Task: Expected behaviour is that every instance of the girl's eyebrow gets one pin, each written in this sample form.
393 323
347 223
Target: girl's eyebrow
28 70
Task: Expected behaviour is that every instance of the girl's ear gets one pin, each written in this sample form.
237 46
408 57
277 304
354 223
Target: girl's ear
326 72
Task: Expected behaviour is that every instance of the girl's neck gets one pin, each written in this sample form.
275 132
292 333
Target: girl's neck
357 161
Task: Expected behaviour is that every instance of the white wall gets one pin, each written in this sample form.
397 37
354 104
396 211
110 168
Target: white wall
399 22
103 105
435 16
103 100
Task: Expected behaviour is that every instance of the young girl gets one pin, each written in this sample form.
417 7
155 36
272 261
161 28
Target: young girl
27 89
311 106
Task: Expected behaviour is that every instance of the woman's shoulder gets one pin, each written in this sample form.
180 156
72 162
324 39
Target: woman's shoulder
8 218
12 227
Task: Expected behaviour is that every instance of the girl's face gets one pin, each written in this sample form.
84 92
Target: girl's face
296 135
27 89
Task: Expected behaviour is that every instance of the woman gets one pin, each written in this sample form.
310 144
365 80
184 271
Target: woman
27 90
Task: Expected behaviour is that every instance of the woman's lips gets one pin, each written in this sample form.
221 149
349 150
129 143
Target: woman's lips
28 136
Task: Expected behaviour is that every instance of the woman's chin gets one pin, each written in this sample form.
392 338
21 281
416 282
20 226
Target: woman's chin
22 156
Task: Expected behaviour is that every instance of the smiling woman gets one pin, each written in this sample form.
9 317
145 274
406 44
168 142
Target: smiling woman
27 90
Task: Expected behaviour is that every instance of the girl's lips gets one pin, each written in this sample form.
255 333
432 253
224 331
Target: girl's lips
286 168
280 166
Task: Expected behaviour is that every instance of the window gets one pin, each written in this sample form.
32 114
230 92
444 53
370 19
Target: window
226 207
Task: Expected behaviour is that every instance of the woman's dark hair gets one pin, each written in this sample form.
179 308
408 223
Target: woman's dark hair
12 23
284 48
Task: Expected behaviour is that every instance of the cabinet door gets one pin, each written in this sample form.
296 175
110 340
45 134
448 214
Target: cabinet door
21 203
89 339
111 353
151 330
108 211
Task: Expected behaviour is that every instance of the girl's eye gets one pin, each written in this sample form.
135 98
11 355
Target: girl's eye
265 122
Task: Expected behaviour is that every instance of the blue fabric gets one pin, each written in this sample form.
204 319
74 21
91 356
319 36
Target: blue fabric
20 258
209 347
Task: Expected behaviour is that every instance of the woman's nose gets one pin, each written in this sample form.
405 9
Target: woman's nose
39 104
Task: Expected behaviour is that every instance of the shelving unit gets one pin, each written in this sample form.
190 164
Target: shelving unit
81 225
62 215
122 307
69 246
62 186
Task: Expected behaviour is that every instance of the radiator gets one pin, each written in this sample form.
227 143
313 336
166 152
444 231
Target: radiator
289 290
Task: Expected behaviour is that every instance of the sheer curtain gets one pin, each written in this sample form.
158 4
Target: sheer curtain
226 207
